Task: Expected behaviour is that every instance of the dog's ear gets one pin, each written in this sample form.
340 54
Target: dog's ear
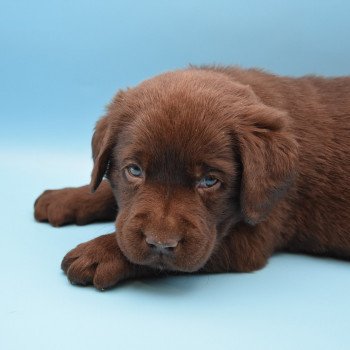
269 154
103 141
101 148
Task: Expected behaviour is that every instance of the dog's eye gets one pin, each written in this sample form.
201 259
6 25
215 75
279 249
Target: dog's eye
134 170
207 181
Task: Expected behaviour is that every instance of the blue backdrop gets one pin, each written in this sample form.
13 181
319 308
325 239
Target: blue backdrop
62 61
60 64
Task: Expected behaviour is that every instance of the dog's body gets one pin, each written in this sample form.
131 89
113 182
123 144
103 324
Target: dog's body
213 169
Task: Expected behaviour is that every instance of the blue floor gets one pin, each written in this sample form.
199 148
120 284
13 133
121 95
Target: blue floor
296 302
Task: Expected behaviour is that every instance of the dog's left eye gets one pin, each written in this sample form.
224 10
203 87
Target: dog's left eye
207 182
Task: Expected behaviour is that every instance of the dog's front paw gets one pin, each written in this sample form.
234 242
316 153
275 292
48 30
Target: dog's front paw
98 262
56 207
75 205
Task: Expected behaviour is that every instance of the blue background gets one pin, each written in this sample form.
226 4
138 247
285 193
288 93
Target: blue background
60 64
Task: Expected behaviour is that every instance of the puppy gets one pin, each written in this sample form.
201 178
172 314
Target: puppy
212 169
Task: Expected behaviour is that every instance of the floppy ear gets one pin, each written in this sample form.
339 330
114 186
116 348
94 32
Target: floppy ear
269 154
101 148
104 139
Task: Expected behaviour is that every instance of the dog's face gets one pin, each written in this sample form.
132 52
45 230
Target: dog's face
178 152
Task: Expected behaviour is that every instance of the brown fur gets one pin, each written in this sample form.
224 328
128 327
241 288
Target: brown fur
279 147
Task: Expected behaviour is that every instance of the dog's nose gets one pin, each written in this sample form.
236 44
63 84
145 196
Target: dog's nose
167 245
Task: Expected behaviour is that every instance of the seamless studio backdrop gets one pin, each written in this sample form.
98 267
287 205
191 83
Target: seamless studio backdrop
60 64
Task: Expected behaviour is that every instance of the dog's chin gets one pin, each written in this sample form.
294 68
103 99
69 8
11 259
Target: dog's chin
162 262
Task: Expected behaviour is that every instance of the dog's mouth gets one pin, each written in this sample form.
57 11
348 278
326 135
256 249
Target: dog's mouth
166 252
161 261
174 260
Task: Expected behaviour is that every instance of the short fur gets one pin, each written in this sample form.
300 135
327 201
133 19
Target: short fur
278 146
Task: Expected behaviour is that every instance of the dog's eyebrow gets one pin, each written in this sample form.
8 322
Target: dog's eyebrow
128 155
210 168
219 166
131 159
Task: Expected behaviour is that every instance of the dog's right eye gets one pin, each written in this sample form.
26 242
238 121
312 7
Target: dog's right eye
134 170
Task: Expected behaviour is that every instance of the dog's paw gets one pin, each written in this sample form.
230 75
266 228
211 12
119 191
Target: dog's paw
98 262
56 207
75 206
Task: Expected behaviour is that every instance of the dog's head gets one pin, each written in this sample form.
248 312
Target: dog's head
189 154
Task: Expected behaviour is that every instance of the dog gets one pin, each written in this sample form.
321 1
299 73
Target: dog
212 169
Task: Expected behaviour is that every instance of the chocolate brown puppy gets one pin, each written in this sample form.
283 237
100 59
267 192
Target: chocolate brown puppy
212 169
